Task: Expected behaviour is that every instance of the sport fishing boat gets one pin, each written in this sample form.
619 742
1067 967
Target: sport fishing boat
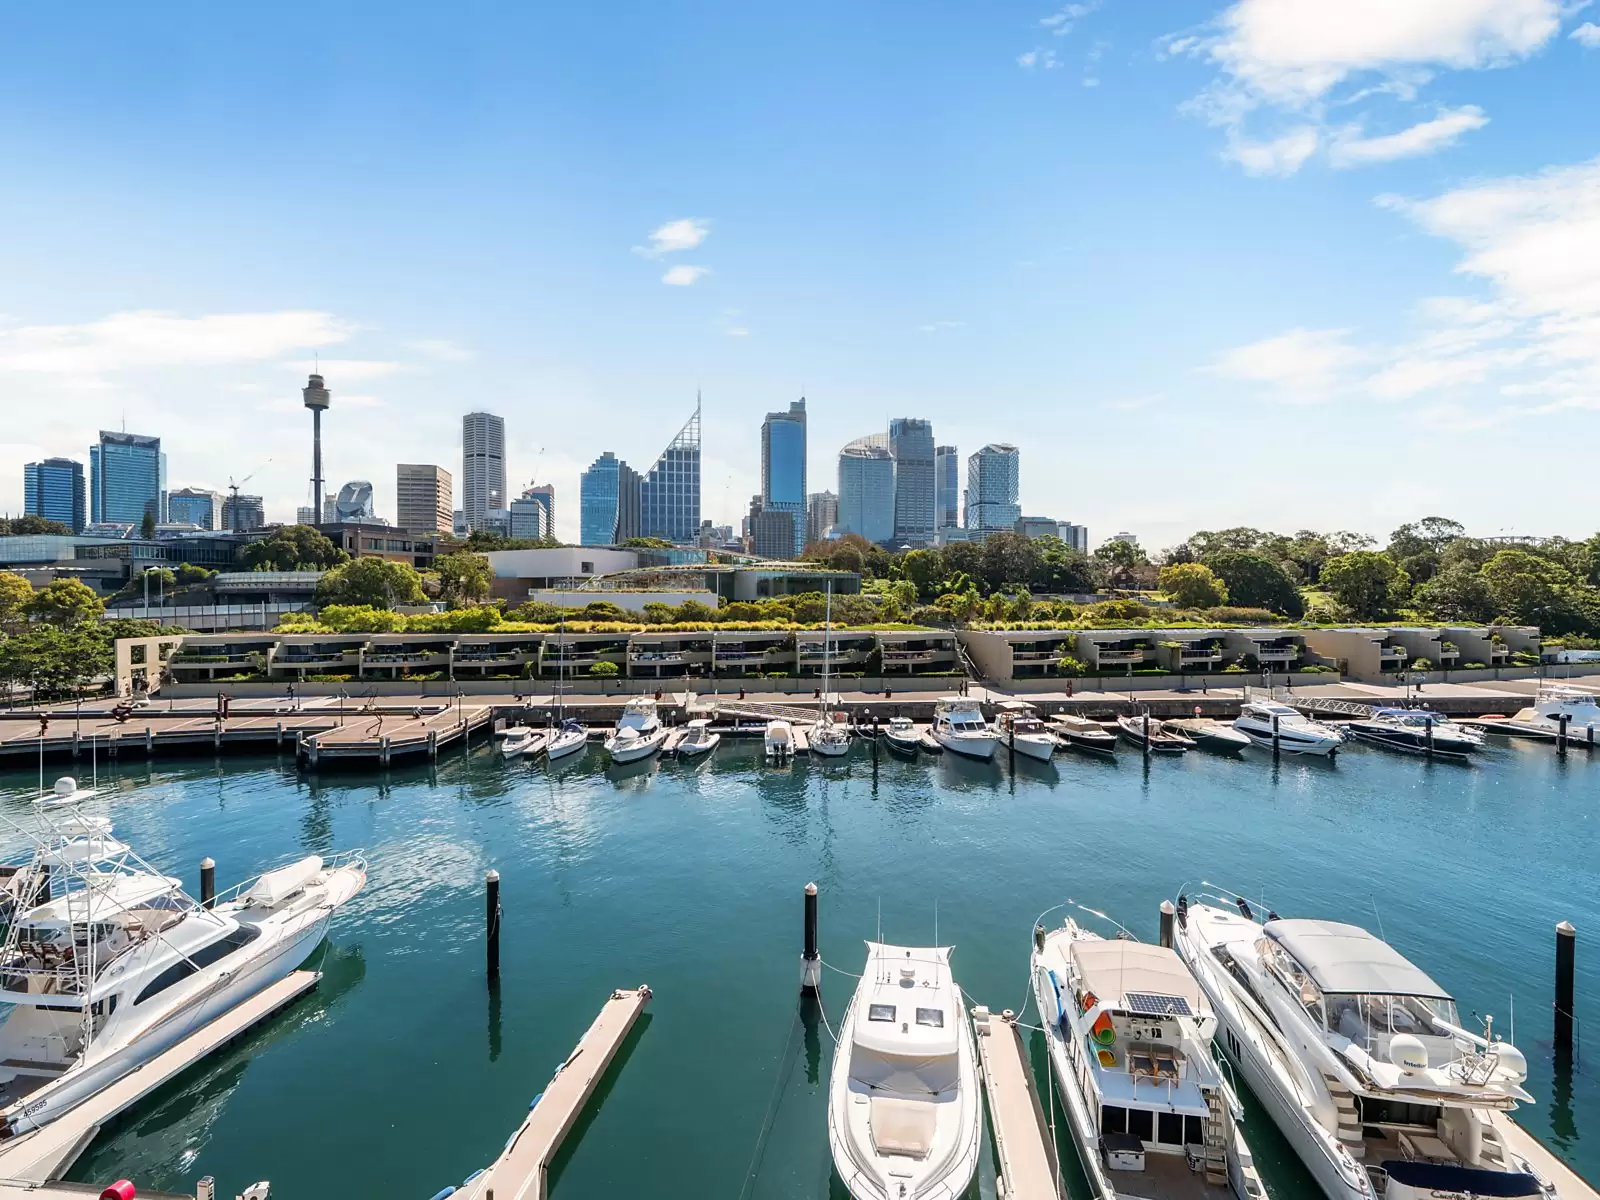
1083 734
904 1110
1129 1036
638 733
108 962
1415 731
1161 739
1019 725
958 726
698 739
1359 1056
902 736
1266 721
1554 701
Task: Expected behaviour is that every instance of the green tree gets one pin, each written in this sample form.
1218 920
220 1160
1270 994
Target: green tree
604 670
1121 561
1063 569
1367 582
1255 581
147 527
925 569
1532 590
370 581
189 573
54 661
464 577
65 603
15 592
646 543
1193 585
360 618
31 525
292 548
1457 592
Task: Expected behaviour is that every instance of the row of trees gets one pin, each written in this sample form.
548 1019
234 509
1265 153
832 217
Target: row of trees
53 640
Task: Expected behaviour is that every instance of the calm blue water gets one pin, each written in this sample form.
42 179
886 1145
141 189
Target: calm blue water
400 1074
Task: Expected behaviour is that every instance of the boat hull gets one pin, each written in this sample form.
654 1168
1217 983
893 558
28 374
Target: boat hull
1291 741
979 746
903 746
561 747
1410 743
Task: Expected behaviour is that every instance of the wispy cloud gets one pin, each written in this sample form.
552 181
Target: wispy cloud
1303 365
441 350
685 233
1061 21
1281 156
1351 149
1135 403
1587 35
145 339
684 275
1039 56
936 326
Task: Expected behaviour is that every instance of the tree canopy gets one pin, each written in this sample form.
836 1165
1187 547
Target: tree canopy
292 548
371 581
1254 580
1193 585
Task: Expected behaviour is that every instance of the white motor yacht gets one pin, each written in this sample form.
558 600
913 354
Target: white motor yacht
698 739
1019 725
118 964
778 741
958 726
567 738
1296 734
639 732
902 736
1129 1036
516 741
1359 1056
1555 701
904 1110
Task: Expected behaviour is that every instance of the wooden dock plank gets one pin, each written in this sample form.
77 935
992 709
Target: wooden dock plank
1022 1143
42 1155
519 1173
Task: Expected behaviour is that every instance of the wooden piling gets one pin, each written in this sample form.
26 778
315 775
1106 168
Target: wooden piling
1168 912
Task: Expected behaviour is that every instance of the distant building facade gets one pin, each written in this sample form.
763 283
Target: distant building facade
1075 536
1131 538
424 498
669 495
608 502
992 486
866 489
822 514
54 489
483 465
243 513
783 473
946 488
195 506
127 479
911 444
540 499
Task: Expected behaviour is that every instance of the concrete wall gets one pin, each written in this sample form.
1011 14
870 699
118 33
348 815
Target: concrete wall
151 654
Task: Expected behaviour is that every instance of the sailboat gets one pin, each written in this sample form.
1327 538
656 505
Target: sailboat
827 738
568 737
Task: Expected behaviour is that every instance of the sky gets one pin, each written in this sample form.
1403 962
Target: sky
1284 263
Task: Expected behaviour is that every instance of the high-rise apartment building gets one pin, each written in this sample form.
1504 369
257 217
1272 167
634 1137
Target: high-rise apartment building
783 472
866 489
1075 536
946 487
127 479
244 513
424 498
911 444
822 514
483 465
669 496
608 502
992 486
195 506
53 489
533 514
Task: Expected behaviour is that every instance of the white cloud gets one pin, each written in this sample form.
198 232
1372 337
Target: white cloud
441 350
1281 156
1350 149
1090 81
1303 364
143 339
685 233
345 370
684 275
936 326
1039 56
1064 18
1587 35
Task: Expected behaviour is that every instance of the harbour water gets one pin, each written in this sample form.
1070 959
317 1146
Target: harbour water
402 1073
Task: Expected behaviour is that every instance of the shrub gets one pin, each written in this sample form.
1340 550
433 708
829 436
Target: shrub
604 670
1068 665
1422 664
1317 669
1225 614
328 678
1233 668
1474 666
1129 612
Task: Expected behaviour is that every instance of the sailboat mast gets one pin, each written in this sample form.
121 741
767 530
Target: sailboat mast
827 650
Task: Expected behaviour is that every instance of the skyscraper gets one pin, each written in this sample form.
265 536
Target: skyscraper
946 488
127 479
669 498
424 498
483 465
866 489
783 472
243 513
533 514
911 444
992 485
195 506
53 489
608 502
822 514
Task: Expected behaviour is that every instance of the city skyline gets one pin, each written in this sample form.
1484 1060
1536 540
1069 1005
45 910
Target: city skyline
1388 229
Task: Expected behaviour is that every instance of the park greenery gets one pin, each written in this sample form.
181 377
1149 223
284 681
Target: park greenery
54 641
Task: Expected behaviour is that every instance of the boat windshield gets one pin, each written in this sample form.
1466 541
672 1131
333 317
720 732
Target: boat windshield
1372 1021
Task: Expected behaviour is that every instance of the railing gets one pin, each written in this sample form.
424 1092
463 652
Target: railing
1119 656
908 656
313 660
1392 652
1200 655
411 657
1275 653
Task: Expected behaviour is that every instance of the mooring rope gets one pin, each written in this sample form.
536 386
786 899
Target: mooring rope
841 970
785 1069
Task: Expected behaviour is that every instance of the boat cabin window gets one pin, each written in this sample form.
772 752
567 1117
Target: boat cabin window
1142 1124
1168 1128
880 1012
1365 1018
203 957
1398 1112
933 1018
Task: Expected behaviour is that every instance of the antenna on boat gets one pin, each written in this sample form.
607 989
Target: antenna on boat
1377 914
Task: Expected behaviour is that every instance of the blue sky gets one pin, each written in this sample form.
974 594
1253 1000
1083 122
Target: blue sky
1280 262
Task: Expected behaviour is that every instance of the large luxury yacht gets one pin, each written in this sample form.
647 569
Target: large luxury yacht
1129 1035
1359 1056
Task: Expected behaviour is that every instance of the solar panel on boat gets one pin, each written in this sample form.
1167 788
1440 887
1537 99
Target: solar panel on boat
1153 1004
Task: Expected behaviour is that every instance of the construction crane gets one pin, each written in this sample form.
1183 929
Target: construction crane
233 525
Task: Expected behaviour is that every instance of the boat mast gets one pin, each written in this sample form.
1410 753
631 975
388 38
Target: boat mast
827 652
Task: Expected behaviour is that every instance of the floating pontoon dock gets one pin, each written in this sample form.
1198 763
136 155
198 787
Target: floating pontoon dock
41 1156
519 1173
1021 1139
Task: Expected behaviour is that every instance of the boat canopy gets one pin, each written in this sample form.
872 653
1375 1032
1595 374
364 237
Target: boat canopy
1347 959
1137 977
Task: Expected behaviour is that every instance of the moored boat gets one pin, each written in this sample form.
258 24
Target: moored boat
1209 734
639 732
1415 731
1020 727
568 738
1277 726
516 741
1141 730
778 741
958 726
902 736
1081 733
698 739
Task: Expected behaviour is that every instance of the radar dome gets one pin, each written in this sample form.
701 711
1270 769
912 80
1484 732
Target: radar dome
1408 1053
1512 1061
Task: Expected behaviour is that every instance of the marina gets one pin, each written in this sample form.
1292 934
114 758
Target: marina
706 846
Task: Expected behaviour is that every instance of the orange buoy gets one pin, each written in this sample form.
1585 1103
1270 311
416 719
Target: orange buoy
122 1189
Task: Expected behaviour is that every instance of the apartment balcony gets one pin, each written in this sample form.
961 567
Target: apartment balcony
490 658
1276 653
656 658
1499 652
1038 656
1196 658
295 662
406 658
1117 657
742 658
1395 653
906 657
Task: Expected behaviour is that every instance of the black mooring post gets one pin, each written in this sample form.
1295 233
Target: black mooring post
1274 735
1168 912
1011 748
810 960
1430 736
208 882
1566 959
1146 747
1561 733
491 881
